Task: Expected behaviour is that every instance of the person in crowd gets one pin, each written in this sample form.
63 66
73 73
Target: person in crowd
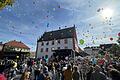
41 76
2 77
36 72
25 75
114 74
68 73
98 74
47 77
76 74
89 73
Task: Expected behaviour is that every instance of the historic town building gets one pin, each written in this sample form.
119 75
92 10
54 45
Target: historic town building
15 49
62 40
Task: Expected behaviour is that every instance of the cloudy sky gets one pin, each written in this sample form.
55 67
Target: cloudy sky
96 20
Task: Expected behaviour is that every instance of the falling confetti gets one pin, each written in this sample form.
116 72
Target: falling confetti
81 41
93 42
33 2
91 27
111 39
54 9
47 11
48 24
100 9
89 24
59 6
119 34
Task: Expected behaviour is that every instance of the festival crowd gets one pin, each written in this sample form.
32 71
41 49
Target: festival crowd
41 69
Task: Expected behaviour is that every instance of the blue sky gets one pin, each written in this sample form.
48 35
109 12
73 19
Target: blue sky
27 20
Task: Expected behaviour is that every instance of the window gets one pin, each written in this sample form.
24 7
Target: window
65 41
58 47
46 49
47 43
41 49
42 44
66 47
58 41
52 42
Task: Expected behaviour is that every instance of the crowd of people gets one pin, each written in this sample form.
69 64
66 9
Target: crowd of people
41 69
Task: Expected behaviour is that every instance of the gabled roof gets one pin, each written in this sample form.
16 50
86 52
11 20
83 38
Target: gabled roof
58 34
16 44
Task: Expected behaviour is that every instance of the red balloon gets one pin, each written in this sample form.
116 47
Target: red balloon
111 39
119 34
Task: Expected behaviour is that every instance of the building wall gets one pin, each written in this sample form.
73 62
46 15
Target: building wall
62 45
88 50
92 51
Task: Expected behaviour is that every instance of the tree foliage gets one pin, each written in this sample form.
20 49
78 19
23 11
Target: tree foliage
115 50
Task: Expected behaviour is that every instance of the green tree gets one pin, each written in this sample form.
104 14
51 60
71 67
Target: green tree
118 40
115 50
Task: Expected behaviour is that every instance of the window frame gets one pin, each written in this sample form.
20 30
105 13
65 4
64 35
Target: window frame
41 50
53 42
58 41
47 43
47 49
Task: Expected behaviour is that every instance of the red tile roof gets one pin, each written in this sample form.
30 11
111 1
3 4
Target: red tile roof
17 44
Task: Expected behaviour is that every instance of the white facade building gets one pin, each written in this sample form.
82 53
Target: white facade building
56 40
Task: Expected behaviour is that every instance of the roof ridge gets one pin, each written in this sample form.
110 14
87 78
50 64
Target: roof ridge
16 44
59 29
